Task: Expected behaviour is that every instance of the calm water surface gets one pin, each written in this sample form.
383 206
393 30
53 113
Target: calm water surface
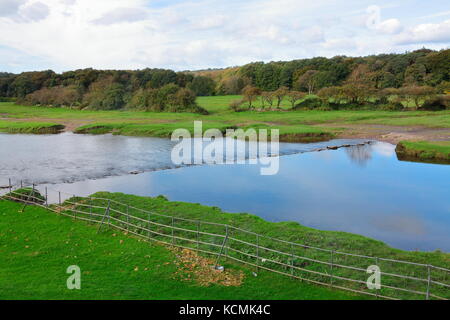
363 189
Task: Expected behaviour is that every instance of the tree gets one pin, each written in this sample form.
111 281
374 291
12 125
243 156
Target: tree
250 94
267 97
294 96
202 86
417 94
307 81
279 95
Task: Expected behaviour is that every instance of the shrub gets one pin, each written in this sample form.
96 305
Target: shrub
310 102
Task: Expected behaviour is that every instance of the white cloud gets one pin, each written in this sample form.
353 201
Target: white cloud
374 22
120 15
34 11
426 33
390 26
195 34
10 7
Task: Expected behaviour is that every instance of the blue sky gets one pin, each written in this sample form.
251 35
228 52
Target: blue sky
132 34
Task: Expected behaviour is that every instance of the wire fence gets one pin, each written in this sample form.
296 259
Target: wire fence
332 268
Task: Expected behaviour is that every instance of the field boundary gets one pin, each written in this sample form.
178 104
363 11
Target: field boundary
332 268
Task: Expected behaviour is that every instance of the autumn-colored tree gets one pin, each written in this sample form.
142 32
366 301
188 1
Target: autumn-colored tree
267 97
279 95
250 94
417 94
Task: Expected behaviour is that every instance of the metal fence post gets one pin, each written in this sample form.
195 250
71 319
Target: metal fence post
104 216
223 245
10 186
59 197
428 282
21 184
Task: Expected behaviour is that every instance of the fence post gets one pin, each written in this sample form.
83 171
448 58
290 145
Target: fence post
106 214
148 225
376 290
46 197
257 253
428 282
198 235
223 245
90 208
292 260
21 184
10 186
59 198
173 239
128 217
28 199
331 266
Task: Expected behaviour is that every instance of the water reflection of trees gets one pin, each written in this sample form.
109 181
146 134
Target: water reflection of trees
360 154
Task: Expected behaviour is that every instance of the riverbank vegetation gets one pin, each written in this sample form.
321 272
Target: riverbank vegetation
38 246
423 150
30 127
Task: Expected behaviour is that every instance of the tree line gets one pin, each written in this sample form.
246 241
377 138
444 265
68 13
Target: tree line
148 89
341 79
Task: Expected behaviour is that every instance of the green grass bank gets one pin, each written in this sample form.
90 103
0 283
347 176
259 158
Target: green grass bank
37 246
424 151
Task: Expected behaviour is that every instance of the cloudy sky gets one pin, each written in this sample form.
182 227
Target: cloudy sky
195 34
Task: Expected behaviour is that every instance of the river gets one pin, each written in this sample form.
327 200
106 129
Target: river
361 189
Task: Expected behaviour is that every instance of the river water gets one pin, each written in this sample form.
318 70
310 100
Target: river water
361 189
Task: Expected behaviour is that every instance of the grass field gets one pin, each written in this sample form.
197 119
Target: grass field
37 246
294 126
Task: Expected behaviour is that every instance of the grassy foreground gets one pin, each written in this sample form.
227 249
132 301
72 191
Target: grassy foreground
37 246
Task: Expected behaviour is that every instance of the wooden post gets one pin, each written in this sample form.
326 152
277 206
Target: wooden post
376 290
292 260
128 217
331 267
90 207
257 253
173 239
198 235
148 225
46 197
428 283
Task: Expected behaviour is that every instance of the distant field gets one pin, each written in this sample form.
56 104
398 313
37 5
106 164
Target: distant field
296 124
